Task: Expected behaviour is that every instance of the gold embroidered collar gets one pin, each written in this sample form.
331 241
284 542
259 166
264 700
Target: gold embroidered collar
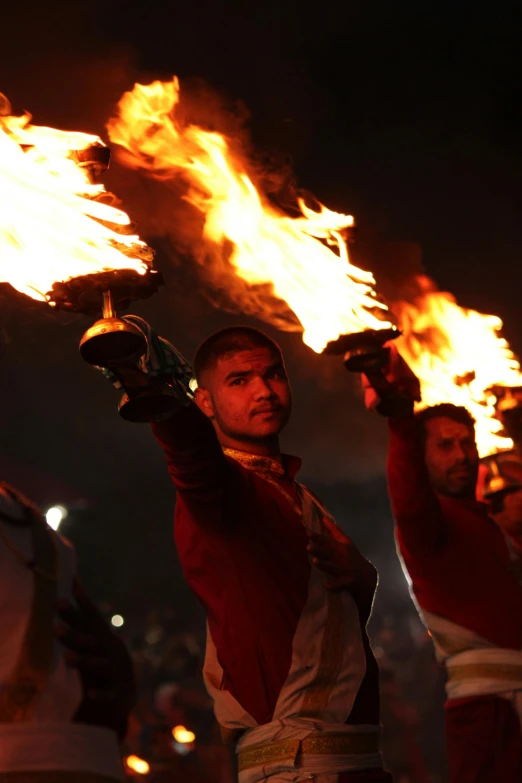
255 462
270 470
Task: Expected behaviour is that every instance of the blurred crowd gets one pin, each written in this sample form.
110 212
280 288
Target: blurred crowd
173 735
412 698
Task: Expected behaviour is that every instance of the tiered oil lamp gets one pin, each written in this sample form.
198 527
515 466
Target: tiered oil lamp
112 342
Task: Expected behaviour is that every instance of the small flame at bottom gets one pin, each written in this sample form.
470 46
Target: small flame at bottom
182 735
140 766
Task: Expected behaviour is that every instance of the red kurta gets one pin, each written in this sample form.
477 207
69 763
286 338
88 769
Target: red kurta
459 566
242 548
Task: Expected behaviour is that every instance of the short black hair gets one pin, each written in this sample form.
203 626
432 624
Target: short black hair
445 410
231 339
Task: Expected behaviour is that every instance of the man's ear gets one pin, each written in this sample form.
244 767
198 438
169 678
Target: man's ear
204 402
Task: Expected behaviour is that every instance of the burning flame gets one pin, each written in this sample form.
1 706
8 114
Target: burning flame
182 735
458 356
54 224
304 259
140 766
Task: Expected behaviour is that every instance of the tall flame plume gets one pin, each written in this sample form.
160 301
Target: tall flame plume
304 258
55 224
458 355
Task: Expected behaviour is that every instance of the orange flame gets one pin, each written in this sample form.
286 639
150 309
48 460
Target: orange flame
183 735
140 766
54 225
304 259
458 356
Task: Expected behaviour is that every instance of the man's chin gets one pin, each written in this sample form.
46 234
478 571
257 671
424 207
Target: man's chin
268 424
462 488
269 430
264 430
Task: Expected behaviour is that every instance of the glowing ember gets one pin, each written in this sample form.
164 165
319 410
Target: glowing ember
140 766
304 259
458 355
54 225
182 735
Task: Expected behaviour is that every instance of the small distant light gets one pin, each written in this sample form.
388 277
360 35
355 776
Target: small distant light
182 750
154 635
117 620
55 516
193 384
137 765
182 735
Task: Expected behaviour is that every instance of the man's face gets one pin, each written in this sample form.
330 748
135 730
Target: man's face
247 395
451 457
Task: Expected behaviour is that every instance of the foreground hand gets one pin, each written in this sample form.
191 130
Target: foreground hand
337 555
102 661
161 360
399 374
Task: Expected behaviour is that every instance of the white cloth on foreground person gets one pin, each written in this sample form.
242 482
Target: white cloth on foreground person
38 734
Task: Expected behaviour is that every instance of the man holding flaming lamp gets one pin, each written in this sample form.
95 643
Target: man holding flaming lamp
461 578
287 594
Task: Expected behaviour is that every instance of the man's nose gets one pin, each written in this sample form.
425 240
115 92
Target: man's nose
460 452
262 390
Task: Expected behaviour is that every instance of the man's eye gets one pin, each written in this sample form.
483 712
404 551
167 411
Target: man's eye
237 382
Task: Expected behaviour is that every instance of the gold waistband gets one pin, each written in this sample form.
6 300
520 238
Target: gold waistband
46 776
495 671
342 744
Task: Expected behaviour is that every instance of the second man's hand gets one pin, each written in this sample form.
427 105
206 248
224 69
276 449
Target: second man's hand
398 376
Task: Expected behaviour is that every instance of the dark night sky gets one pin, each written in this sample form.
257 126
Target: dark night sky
407 115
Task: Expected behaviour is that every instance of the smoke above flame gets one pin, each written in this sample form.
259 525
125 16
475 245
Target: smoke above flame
298 263
458 355
54 224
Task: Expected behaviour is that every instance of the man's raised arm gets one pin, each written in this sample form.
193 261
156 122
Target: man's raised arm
416 508
197 466
195 459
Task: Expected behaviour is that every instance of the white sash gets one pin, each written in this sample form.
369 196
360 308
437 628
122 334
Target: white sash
321 768
475 667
